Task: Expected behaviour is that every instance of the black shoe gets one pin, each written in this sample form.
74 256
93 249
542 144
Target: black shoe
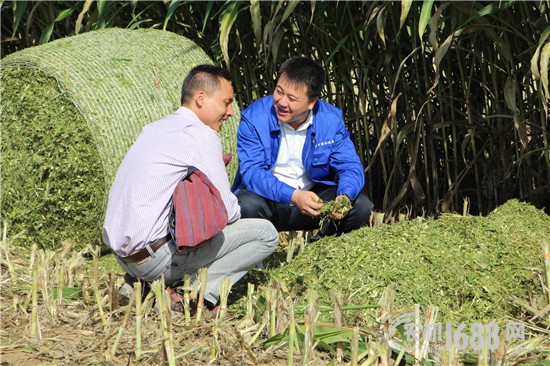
328 229
127 289
314 238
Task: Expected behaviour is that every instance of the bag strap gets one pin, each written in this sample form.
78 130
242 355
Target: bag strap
190 170
172 218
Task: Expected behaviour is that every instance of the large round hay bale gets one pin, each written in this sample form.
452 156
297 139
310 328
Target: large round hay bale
70 110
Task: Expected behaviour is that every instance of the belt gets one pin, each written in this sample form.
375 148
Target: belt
144 253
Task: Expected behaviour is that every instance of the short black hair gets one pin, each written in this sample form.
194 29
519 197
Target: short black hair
302 70
202 77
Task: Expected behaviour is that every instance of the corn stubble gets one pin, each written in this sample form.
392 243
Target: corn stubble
271 323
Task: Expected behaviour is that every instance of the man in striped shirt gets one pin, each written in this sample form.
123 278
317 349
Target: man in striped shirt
136 223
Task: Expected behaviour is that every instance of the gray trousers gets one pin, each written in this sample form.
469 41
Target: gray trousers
231 253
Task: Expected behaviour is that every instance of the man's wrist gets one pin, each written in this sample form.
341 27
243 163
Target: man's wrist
293 197
345 195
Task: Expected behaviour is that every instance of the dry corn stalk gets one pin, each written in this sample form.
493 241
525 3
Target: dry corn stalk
186 297
35 324
138 318
122 326
546 253
291 331
163 305
225 288
203 275
95 286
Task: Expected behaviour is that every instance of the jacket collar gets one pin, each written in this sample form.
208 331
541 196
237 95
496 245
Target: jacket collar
273 122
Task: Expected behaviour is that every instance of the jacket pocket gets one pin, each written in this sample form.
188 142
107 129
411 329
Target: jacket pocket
320 168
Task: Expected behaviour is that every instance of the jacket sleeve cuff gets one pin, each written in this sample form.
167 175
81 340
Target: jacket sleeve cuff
286 195
352 194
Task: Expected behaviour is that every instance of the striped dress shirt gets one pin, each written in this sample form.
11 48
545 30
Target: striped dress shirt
140 197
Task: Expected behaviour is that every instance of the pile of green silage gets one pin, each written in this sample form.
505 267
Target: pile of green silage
471 267
52 176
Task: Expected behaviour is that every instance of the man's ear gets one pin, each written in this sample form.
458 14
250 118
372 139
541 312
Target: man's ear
199 98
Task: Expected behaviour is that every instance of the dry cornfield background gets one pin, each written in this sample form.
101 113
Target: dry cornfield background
58 308
61 307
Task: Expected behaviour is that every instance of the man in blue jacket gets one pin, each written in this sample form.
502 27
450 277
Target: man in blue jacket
294 151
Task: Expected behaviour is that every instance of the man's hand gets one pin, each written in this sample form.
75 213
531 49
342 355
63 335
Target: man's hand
306 202
227 158
345 207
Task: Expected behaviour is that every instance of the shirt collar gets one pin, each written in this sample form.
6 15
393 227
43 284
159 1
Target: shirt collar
303 126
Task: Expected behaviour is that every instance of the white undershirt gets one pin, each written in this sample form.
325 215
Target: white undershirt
289 168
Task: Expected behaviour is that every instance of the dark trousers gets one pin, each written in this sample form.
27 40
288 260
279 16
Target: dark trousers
287 218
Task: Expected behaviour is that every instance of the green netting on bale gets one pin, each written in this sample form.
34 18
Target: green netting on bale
470 267
70 110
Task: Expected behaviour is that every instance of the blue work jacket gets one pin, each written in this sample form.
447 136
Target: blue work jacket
329 156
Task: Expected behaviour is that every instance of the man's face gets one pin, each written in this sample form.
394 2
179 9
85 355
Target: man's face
216 107
291 102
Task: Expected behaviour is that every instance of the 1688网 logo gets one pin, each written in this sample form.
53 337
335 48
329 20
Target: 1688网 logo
477 336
